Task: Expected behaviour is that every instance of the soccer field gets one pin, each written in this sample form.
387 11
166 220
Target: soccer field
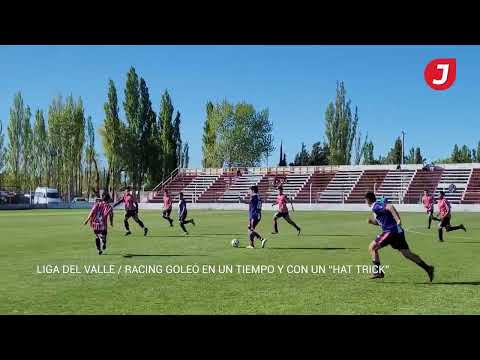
29 240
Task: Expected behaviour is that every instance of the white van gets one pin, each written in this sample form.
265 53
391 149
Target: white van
46 196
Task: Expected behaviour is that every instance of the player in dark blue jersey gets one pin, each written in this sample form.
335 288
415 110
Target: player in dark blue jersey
254 217
386 216
182 214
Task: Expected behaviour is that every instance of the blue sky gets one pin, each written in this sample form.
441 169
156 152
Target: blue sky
294 82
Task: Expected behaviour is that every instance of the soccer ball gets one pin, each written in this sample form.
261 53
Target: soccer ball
235 243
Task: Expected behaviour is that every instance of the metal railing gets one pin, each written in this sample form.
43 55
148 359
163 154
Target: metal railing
167 181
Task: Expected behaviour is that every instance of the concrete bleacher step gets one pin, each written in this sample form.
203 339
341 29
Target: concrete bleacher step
472 193
422 180
395 185
216 190
240 187
198 186
292 185
457 177
369 181
316 184
177 184
340 186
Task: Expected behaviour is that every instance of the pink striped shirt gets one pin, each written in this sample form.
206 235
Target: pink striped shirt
99 216
129 201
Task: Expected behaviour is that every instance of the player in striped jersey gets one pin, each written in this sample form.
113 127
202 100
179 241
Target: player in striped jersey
131 211
98 218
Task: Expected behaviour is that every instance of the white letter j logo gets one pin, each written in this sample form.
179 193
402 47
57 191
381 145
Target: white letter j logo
440 74
444 69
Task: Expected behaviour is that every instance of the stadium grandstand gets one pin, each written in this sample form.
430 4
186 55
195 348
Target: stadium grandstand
325 184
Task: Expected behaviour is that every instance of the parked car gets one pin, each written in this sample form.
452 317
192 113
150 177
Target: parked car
30 196
46 196
21 198
5 197
79 200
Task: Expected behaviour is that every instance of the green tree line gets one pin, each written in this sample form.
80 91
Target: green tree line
462 155
58 149
343 143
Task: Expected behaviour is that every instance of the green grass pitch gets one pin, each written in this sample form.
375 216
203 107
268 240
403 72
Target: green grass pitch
35 238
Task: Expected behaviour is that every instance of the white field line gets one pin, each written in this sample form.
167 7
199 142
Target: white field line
427 234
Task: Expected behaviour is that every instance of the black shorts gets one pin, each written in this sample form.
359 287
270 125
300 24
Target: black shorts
183 217
253 222
167 212
281 214
445 221
131 213
395 240
100 232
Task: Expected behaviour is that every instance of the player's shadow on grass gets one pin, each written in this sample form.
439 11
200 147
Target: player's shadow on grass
242 234
434 283
135 255
464 242
313 248
457 283
328 235
193 235
169 236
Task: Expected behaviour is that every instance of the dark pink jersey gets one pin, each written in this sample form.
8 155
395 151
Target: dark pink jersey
282 203
427 201
99 216
167 202
444 207
129 201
